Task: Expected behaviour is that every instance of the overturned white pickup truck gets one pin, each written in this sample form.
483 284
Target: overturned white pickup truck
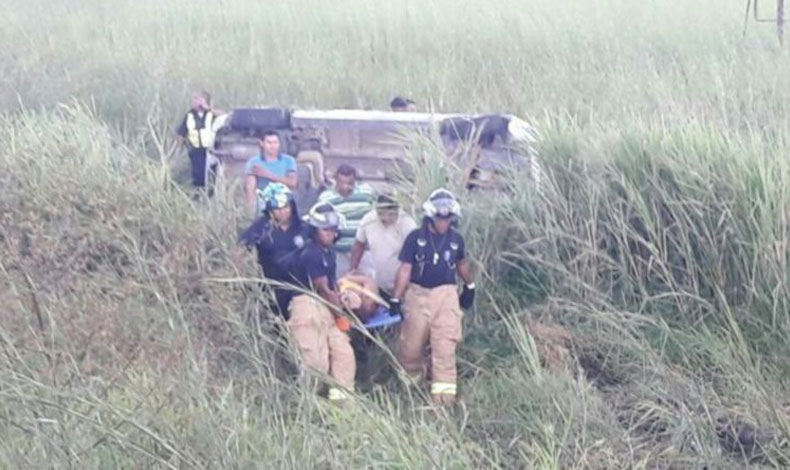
375 143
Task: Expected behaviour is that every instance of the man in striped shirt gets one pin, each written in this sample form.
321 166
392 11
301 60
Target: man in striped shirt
352 201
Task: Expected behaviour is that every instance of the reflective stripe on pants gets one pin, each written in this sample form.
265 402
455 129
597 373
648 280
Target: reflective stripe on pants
324 348
441 388
431 315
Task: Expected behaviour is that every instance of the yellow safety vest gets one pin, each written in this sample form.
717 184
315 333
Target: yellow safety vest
200 138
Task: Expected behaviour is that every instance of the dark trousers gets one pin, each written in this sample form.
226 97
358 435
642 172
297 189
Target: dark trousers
197 157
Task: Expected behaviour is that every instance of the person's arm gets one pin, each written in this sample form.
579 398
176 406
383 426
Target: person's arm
357 250
322 286
467 298
464 272
360 243
406 256
401 280
252 192
290 180
253 234
261 172
462 267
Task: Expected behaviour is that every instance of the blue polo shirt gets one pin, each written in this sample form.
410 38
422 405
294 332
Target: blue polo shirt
280 167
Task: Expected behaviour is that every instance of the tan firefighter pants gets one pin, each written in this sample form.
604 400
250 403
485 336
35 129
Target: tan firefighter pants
431 315
324 348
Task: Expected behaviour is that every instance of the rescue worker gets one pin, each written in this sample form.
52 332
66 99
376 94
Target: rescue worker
403 105
318 328
431 257
269 166
382 232
352 201
277 235
196 132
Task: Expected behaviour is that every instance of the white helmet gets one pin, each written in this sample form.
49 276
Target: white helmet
324 215
441 203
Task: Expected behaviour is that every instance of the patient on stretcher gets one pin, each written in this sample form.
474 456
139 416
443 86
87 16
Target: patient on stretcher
360 295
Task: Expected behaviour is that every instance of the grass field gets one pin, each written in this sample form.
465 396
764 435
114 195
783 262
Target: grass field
652 277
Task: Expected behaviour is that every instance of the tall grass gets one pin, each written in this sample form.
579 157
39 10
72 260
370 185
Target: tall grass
605 61
659 241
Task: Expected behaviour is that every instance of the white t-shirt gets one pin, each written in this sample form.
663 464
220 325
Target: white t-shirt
384 243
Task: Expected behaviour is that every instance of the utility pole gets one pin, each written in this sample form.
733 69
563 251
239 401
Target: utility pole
780 20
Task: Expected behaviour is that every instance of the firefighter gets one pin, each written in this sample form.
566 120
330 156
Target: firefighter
431 259
196 132
278 235
317 326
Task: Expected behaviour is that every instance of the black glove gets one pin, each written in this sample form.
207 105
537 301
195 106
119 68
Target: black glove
467 297
395 308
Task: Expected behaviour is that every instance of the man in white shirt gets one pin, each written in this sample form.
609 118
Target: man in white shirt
382 232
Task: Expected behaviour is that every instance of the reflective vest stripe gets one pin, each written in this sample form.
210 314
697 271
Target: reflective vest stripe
199 138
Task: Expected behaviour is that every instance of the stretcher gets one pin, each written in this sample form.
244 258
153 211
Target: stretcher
381 319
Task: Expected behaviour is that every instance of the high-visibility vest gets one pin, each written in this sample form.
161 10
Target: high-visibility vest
204 136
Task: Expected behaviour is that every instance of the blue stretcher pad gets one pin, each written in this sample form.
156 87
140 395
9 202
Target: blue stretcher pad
382 318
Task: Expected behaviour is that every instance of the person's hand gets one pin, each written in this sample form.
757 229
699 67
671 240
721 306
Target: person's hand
395 307
467 297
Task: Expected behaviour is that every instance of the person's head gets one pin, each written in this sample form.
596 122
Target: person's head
279 201
282 215
387 209
201 100
442 224
326 222
400 104
345 179
269 144
441 210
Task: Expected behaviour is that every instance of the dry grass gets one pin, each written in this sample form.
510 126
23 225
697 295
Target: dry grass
654 266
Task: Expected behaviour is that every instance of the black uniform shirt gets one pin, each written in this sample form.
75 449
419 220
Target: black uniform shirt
276 248
315 262
278 251
433 257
